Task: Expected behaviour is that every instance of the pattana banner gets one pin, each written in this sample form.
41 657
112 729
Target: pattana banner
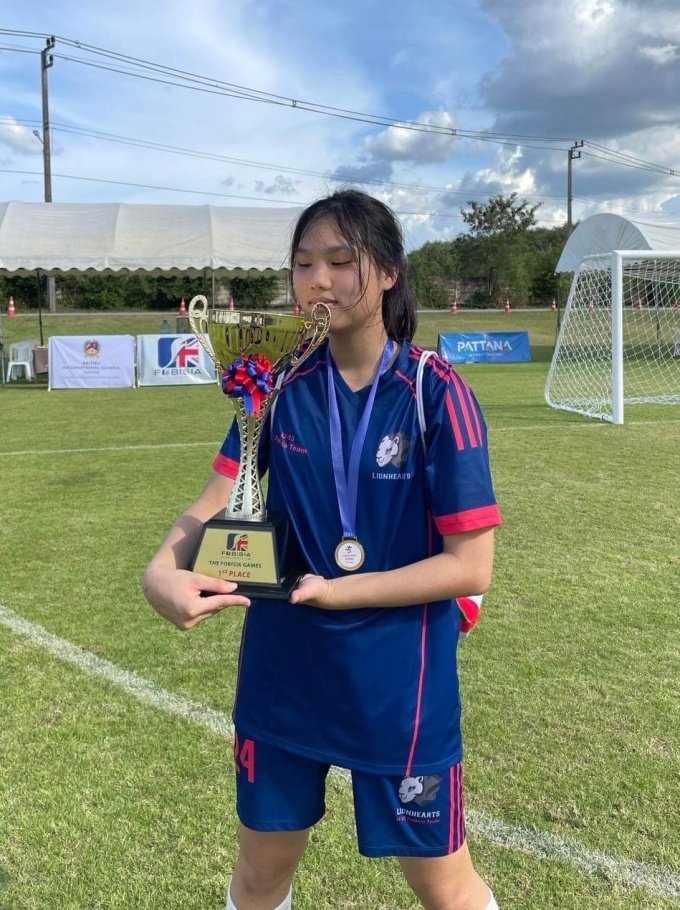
485 347
91 361
173 360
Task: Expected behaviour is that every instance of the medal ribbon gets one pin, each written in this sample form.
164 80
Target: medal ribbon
347 484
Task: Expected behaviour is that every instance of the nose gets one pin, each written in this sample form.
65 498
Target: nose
319 275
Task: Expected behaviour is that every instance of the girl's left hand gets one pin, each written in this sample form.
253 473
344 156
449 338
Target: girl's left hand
313 590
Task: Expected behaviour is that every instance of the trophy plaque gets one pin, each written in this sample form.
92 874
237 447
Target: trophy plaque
258 551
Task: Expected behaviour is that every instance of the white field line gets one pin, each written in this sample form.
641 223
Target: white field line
592 425
655 880
157 445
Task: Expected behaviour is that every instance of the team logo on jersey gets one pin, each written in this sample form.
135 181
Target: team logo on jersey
91 348
237 542
420 790
178 353
393 449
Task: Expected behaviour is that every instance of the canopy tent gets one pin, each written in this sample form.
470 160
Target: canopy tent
601 234
54 238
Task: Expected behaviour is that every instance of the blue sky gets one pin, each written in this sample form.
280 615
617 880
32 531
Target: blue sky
606 71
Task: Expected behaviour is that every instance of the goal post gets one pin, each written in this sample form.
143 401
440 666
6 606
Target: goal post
619 342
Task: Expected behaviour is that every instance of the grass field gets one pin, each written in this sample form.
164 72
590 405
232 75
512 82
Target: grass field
571 681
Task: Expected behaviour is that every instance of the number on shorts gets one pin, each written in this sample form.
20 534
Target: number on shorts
244 757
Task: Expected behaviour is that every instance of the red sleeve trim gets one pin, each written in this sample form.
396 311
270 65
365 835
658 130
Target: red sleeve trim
226 466
470 520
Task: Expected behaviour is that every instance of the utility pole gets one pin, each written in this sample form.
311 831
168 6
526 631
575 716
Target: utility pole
572 155
46 61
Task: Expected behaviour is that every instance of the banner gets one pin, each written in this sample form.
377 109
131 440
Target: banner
173 360
485 347
91 362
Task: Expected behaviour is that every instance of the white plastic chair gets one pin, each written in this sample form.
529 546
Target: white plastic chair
21 357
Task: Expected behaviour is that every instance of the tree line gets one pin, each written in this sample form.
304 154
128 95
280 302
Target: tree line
503 255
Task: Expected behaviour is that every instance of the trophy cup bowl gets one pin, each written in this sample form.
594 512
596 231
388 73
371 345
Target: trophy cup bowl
250 350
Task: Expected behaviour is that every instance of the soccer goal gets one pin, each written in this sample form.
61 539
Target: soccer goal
619 342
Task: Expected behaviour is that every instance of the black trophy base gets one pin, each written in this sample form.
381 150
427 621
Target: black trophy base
262 557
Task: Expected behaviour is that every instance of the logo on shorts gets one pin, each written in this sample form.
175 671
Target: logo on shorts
420 790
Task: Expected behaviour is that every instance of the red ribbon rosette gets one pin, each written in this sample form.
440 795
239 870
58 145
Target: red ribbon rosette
250 378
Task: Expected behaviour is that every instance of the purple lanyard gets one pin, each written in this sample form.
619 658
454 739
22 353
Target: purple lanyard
347 485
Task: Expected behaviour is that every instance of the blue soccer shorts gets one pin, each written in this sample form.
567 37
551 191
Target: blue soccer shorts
421 815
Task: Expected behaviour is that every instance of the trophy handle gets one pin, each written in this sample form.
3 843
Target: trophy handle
317 325
198 320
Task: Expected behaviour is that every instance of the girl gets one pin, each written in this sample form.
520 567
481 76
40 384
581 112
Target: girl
358 670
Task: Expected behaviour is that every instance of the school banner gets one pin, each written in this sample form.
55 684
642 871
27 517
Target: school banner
91 361
172 360
485 347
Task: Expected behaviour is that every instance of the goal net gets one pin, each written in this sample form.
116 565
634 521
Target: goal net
620 337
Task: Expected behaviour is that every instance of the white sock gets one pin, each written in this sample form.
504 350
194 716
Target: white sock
492 905
286 904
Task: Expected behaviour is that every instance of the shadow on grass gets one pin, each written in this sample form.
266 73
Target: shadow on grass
504 416
542 353
18 385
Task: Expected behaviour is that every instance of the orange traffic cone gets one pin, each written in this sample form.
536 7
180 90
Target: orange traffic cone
454 308
591 307
231 303
182 307
553 307
507 304
11 309
639 303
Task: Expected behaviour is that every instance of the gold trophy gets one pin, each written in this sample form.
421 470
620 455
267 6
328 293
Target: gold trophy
250 350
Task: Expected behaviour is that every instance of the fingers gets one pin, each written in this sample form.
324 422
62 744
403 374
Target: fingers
307 590
214 585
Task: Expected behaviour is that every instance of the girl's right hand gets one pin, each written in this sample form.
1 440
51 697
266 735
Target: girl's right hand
187 598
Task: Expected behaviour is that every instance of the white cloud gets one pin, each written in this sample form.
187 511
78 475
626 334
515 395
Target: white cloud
399 143
660 55
18 138
281 185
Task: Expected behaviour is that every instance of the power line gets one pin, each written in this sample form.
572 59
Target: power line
145 70
175 189
341 178
220 87
335 177
216 86
632 158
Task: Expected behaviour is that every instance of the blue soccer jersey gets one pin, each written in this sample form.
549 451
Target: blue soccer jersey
374 689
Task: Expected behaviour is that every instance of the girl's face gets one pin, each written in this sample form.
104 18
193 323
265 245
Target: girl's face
325 269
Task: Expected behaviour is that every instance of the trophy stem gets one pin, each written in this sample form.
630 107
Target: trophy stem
246 501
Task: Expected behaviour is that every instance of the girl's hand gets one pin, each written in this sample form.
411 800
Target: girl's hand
187 598
315 591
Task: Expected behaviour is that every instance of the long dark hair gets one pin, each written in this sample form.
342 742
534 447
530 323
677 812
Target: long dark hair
371 228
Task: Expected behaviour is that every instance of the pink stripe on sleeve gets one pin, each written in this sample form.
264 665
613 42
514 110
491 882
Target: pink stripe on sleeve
475 413
226 466
470 520
454 422
460 389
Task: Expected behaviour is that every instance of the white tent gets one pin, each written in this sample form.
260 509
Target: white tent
112 238
601 234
